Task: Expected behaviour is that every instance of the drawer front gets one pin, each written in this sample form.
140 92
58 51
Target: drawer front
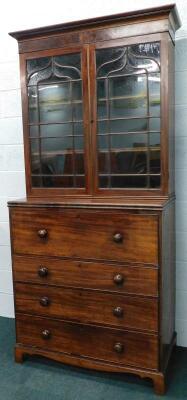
88 306
127 348
93 275
88 234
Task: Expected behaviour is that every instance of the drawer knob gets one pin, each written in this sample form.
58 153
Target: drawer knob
118 279
42 233
44 301
118 311
118 347
46 334
118 237
42 272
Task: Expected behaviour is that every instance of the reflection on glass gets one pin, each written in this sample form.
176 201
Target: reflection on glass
120 182
56 119
128 101
154 94
155 181
79 163
136 142
128 86
128 107
34 131
33 105
35 157
101 109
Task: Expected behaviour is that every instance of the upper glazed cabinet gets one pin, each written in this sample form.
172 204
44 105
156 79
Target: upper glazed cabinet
97 117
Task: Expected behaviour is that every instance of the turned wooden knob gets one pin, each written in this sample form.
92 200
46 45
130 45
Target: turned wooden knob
118 279
118 237
118 347
44 301
118 311
42 233
43 271
46 334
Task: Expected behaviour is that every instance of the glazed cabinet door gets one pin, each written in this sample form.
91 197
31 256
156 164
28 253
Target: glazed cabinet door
127 110
55 121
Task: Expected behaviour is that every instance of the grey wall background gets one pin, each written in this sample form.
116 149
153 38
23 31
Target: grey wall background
20 15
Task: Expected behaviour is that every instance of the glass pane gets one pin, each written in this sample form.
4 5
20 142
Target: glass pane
154 140
38 69
103 163
123 125
129 162
132 86
154 94
103 181
79 163
52 181
56 112
57 181
80 181
56 145
54 103
77 112
131 107
154 124
55 160
128 181
103 142
101 89
34 131
101 109
67 66
78 143
78 128
155 182
155 164
128 107
33 105
56 130
35 157
123 181
136 142
36 181
77 90
53 68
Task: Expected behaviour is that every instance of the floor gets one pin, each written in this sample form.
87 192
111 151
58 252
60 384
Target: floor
40 379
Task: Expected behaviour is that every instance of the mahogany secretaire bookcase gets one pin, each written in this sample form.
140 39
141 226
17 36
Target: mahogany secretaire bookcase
93 243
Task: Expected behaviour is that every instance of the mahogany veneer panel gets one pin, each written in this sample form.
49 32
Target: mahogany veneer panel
89 341
139 279
88 306
86 234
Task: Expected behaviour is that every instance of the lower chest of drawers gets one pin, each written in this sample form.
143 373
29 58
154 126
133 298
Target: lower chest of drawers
86 284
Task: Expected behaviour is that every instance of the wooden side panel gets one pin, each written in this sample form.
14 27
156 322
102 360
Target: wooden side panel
171 114
89 341
167 290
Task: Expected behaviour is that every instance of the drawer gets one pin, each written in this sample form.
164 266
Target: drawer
86 234
87 306
112 345
93 275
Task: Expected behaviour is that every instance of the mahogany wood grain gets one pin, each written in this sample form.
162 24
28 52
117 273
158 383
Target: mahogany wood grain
97 289
86 234
88 306
139 279
89 341
157 377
